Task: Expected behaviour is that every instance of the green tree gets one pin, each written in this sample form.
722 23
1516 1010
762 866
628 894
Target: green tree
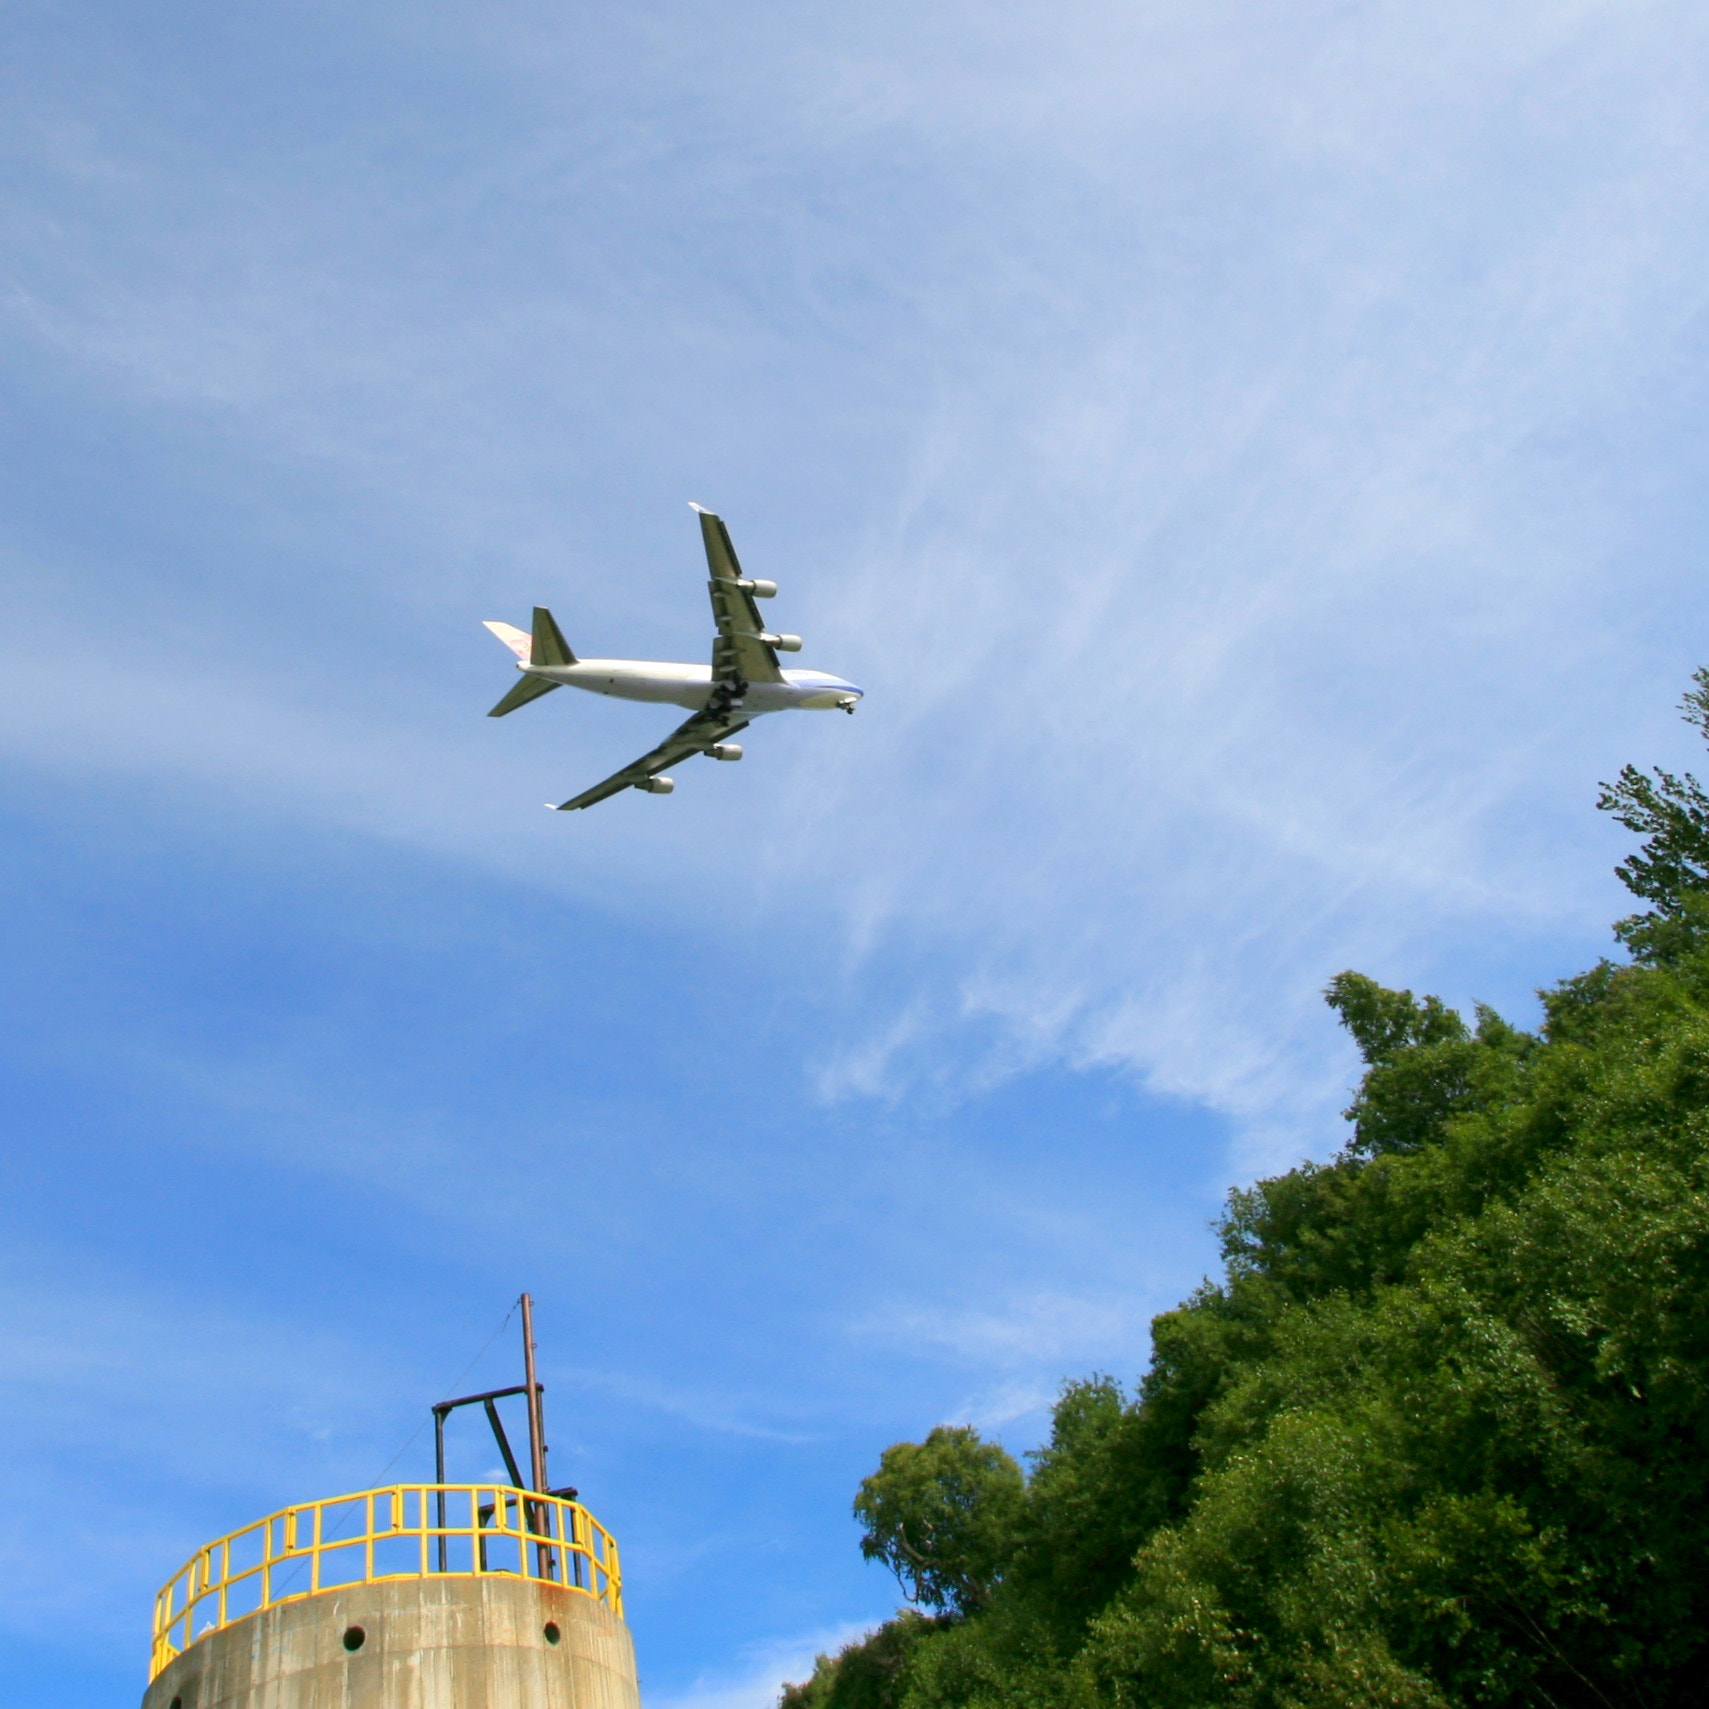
1671 870
941 1515
1439 1434
867 1674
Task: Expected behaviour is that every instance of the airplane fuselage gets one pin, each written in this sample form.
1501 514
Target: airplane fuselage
691 685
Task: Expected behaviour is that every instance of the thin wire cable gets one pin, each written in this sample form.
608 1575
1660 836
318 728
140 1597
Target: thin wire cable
452 1386
291 1577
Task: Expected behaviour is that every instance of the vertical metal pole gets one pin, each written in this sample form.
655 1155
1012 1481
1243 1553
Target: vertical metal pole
439 1477
536 1435
536 1432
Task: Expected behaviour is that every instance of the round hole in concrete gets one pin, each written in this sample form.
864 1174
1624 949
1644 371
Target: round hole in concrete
354 1638
552 1632
176 1703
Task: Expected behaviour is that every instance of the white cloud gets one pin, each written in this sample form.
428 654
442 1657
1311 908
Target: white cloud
761 1673
1048 1328
1243 587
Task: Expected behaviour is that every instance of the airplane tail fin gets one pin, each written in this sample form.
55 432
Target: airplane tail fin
514 639
549 645
546 646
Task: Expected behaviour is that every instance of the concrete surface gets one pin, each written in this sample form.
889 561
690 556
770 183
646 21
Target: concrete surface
427 1643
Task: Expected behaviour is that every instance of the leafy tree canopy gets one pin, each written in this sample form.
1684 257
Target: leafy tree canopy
941 1515
1671 870
1439 1435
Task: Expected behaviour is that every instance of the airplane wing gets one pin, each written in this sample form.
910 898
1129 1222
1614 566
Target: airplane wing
739 654
693 737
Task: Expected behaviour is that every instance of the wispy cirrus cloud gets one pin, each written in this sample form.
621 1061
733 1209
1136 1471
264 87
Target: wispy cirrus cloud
1236 592
755 1678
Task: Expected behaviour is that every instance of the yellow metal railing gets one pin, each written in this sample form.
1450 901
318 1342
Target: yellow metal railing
406 1531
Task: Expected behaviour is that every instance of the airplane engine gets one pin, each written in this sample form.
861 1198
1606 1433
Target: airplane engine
760 590
783 643
725 750
656 785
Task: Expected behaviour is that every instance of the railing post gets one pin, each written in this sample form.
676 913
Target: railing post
439 1476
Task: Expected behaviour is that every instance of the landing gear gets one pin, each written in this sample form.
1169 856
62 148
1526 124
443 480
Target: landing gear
727 696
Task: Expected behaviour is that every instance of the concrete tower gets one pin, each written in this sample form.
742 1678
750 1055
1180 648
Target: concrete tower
415 1596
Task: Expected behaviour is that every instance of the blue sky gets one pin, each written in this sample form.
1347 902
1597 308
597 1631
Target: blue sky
1252 456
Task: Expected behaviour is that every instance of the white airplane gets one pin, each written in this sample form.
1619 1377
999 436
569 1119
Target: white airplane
742 682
